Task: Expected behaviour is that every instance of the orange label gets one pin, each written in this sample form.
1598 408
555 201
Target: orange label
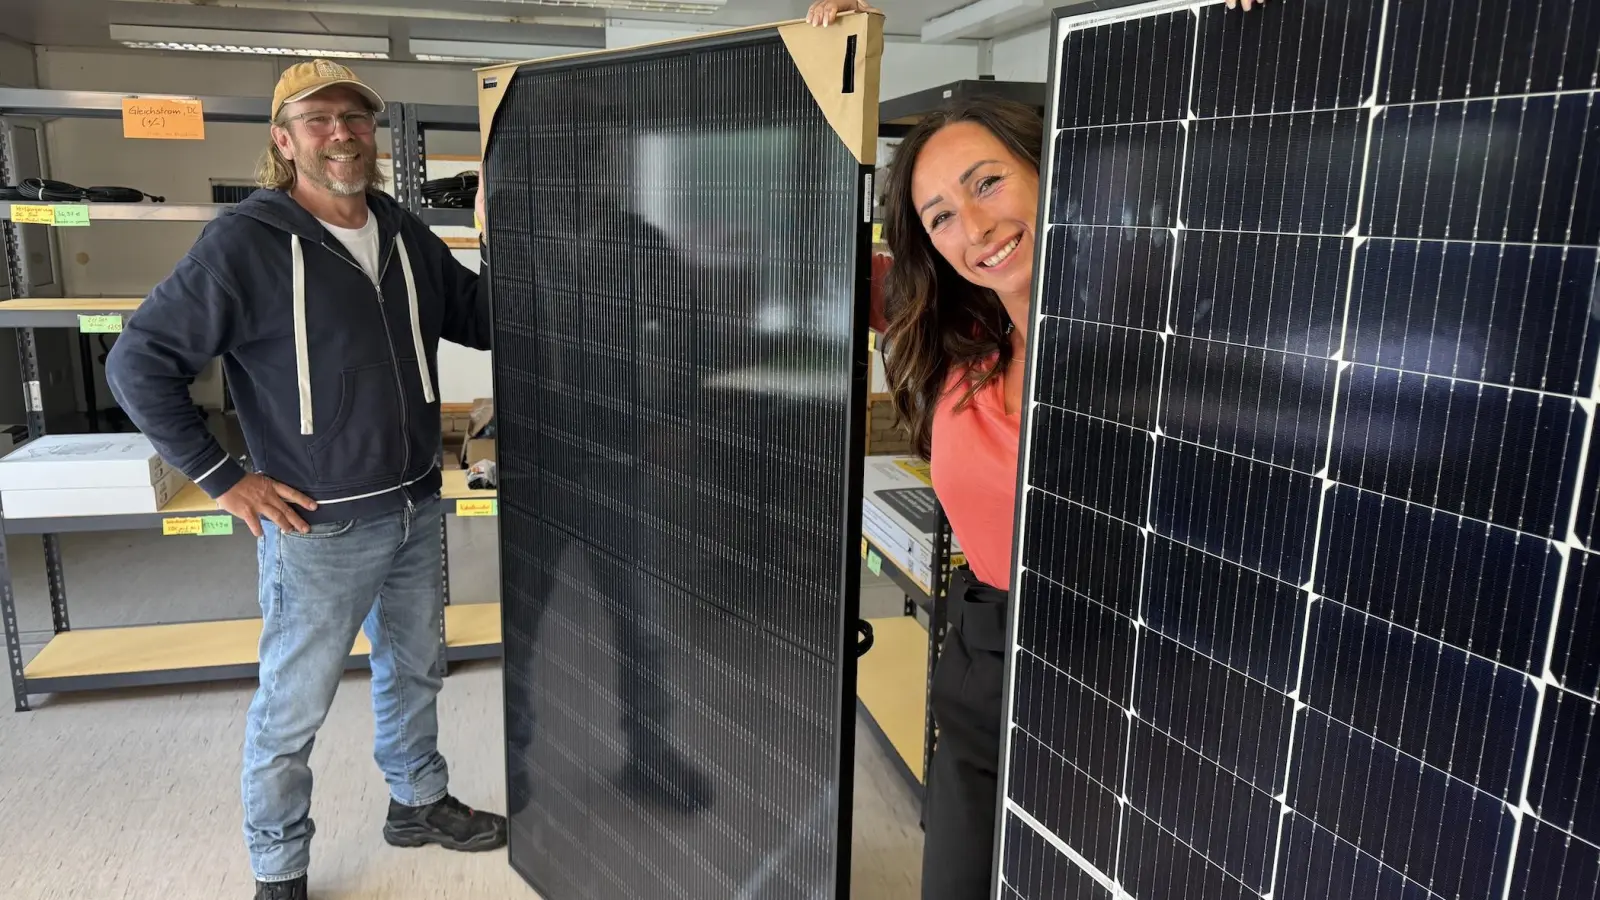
163 118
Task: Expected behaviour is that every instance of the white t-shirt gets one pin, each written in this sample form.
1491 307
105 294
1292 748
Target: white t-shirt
361 242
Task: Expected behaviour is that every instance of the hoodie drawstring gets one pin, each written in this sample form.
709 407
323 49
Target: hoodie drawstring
416 324
302 356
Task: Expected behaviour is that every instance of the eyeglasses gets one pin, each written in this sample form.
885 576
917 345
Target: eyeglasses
362 122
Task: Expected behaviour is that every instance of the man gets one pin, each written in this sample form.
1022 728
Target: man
327 302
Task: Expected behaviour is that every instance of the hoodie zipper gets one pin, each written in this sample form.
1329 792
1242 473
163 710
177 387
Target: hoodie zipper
394 357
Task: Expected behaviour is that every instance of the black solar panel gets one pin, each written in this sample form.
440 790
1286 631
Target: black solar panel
679 239
1309 586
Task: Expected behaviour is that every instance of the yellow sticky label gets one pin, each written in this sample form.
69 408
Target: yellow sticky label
205 526
872 341
72 214
33 214
863 548
877 232
108 324
477 507
163 118
186 525
917 468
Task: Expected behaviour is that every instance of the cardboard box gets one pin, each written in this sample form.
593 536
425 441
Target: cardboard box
477 450
62 502
82 461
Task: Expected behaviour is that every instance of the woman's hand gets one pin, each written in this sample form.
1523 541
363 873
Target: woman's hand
823 12
1247 3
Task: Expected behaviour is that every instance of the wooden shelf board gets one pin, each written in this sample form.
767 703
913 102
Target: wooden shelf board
891 682
191 501
205 645
72 304
455 488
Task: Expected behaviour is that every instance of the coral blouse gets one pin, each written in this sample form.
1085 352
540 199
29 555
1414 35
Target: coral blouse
974 469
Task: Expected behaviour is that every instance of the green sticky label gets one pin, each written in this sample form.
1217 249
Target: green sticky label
874 563
72 214
216 525
111 324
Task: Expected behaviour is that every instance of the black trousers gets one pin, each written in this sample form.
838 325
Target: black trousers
963 778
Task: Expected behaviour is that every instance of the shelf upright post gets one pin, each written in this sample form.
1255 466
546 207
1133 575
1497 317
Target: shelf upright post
32 394
444 588
938 617
8 601
403 140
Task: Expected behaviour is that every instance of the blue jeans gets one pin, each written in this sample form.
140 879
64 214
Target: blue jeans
318 590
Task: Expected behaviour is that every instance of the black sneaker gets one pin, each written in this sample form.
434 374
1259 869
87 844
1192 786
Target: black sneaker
294 889
665 779
449 823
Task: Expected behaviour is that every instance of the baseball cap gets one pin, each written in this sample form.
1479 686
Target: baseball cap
301 80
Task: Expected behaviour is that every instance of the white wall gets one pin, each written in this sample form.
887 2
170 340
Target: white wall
127 260
116 259
16 64
1024 56
910 66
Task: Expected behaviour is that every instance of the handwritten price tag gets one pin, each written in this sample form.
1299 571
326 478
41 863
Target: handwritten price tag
111 324
72 214
477 507
32 214
203 526
163 118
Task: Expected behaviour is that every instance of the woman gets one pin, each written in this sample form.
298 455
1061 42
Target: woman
961 216
962 211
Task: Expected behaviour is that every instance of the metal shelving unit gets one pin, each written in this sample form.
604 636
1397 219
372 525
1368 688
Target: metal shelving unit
409 139
897 115
137 212
883 706
197 651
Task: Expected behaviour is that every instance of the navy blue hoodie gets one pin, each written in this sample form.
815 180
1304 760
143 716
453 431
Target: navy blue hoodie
323 365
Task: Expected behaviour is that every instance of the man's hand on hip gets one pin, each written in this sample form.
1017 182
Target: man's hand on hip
256 497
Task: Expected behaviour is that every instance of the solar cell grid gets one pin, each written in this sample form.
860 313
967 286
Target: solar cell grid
680 401
1335 262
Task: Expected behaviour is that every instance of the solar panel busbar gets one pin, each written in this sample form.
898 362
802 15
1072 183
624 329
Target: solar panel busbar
1307 577
678 237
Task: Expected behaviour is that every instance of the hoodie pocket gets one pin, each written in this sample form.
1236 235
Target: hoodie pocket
363 443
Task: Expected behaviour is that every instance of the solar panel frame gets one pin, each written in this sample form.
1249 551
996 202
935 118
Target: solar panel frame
860 41
1572 675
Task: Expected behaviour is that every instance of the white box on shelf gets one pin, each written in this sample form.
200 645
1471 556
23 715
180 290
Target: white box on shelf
82 461
897 513
67 502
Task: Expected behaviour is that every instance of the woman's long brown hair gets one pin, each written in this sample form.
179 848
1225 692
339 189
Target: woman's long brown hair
939 321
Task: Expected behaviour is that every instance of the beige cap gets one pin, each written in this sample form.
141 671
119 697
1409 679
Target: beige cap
301 80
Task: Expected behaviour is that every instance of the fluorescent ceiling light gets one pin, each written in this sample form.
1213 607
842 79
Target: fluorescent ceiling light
984 18
264 43
698 7
484 51
343 8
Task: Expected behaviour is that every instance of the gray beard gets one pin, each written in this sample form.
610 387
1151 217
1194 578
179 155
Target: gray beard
316 172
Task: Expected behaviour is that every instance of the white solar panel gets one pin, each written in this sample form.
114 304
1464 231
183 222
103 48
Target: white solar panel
1308 591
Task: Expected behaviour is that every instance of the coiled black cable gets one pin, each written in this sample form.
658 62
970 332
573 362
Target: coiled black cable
453 192
46 191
